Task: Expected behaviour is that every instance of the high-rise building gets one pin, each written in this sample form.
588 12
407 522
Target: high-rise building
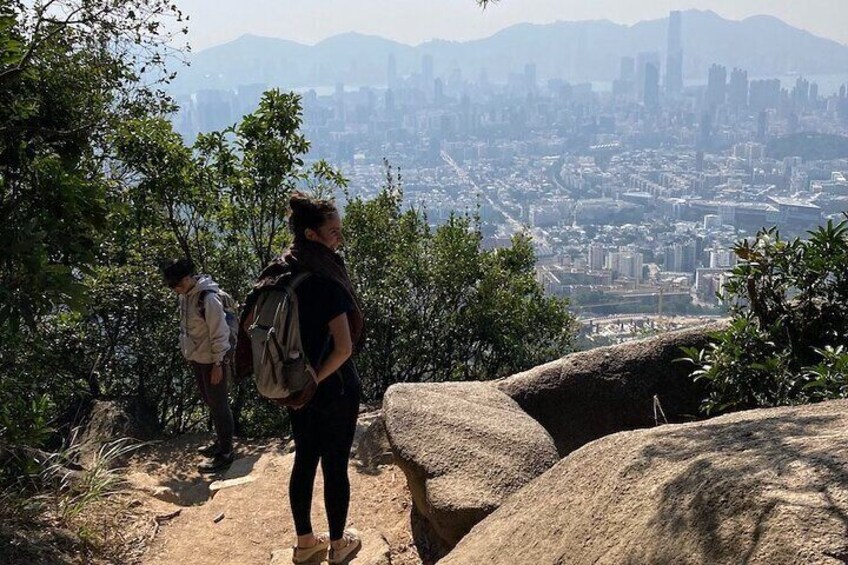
630 265
722 258
680 257
651 89
642 60
674 56
762 125
738 92
597 255
801 92
716 87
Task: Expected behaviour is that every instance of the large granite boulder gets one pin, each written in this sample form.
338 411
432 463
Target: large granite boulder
464 447
590 394
763 486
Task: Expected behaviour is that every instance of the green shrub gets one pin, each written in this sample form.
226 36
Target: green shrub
789 307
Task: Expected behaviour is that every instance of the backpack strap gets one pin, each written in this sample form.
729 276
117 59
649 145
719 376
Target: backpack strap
201 301
297 279
292 337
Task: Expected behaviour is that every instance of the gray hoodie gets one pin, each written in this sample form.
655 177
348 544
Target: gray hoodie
203 340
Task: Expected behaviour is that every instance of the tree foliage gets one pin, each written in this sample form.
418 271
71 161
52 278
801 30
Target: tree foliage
786 343
439 307
69 71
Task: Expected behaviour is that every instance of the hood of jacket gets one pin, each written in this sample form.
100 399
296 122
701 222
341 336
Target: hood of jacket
203 282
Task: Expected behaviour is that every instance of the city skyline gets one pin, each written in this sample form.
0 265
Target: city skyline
213 23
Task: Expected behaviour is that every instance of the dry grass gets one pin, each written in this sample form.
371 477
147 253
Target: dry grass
77 515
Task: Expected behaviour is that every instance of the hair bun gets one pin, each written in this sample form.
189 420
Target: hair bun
299 201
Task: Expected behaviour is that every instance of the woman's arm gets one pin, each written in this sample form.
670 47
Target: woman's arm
342 347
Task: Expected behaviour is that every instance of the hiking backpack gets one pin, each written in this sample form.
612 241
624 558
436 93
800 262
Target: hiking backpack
280 367
230 314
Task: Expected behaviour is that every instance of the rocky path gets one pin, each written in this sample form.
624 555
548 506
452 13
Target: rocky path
248 520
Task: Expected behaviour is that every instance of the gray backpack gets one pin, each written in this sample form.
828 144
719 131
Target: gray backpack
280 366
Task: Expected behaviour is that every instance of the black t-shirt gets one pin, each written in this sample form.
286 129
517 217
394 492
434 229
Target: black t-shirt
320 300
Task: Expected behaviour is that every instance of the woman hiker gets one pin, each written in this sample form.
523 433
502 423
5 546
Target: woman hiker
331 324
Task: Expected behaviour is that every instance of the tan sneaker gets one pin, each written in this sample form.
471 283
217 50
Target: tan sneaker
348 551
314 554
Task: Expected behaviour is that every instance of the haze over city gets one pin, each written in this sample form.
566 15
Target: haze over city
414 21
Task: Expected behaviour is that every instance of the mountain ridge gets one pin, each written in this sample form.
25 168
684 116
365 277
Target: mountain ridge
576 51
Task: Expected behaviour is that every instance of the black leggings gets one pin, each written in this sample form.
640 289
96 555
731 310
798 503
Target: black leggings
323 431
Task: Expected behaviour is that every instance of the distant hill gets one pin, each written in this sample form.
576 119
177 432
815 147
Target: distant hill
575 51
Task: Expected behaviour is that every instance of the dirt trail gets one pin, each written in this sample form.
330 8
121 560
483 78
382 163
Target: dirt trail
256 517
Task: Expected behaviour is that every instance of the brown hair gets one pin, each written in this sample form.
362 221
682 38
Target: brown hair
308 213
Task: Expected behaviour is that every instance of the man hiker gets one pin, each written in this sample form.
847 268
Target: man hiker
206 343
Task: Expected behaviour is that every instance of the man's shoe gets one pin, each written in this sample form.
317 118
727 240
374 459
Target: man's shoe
217 463
348 551
209 450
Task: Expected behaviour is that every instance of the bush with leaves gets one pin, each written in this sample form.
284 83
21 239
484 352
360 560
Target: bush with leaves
438 307
69 73
786 343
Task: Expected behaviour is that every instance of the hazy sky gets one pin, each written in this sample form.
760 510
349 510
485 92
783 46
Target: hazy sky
412 22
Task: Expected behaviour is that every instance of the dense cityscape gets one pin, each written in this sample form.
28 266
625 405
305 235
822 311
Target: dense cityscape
634 192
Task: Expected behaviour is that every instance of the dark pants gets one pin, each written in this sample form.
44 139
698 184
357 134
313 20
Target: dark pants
215 397
323 431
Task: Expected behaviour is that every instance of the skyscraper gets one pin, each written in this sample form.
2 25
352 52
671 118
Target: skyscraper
738 92
801 92
716 87
674 56
762 125
642 60
652 87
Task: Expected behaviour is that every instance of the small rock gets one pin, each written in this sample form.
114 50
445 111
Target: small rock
218 518
164 494
218 485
